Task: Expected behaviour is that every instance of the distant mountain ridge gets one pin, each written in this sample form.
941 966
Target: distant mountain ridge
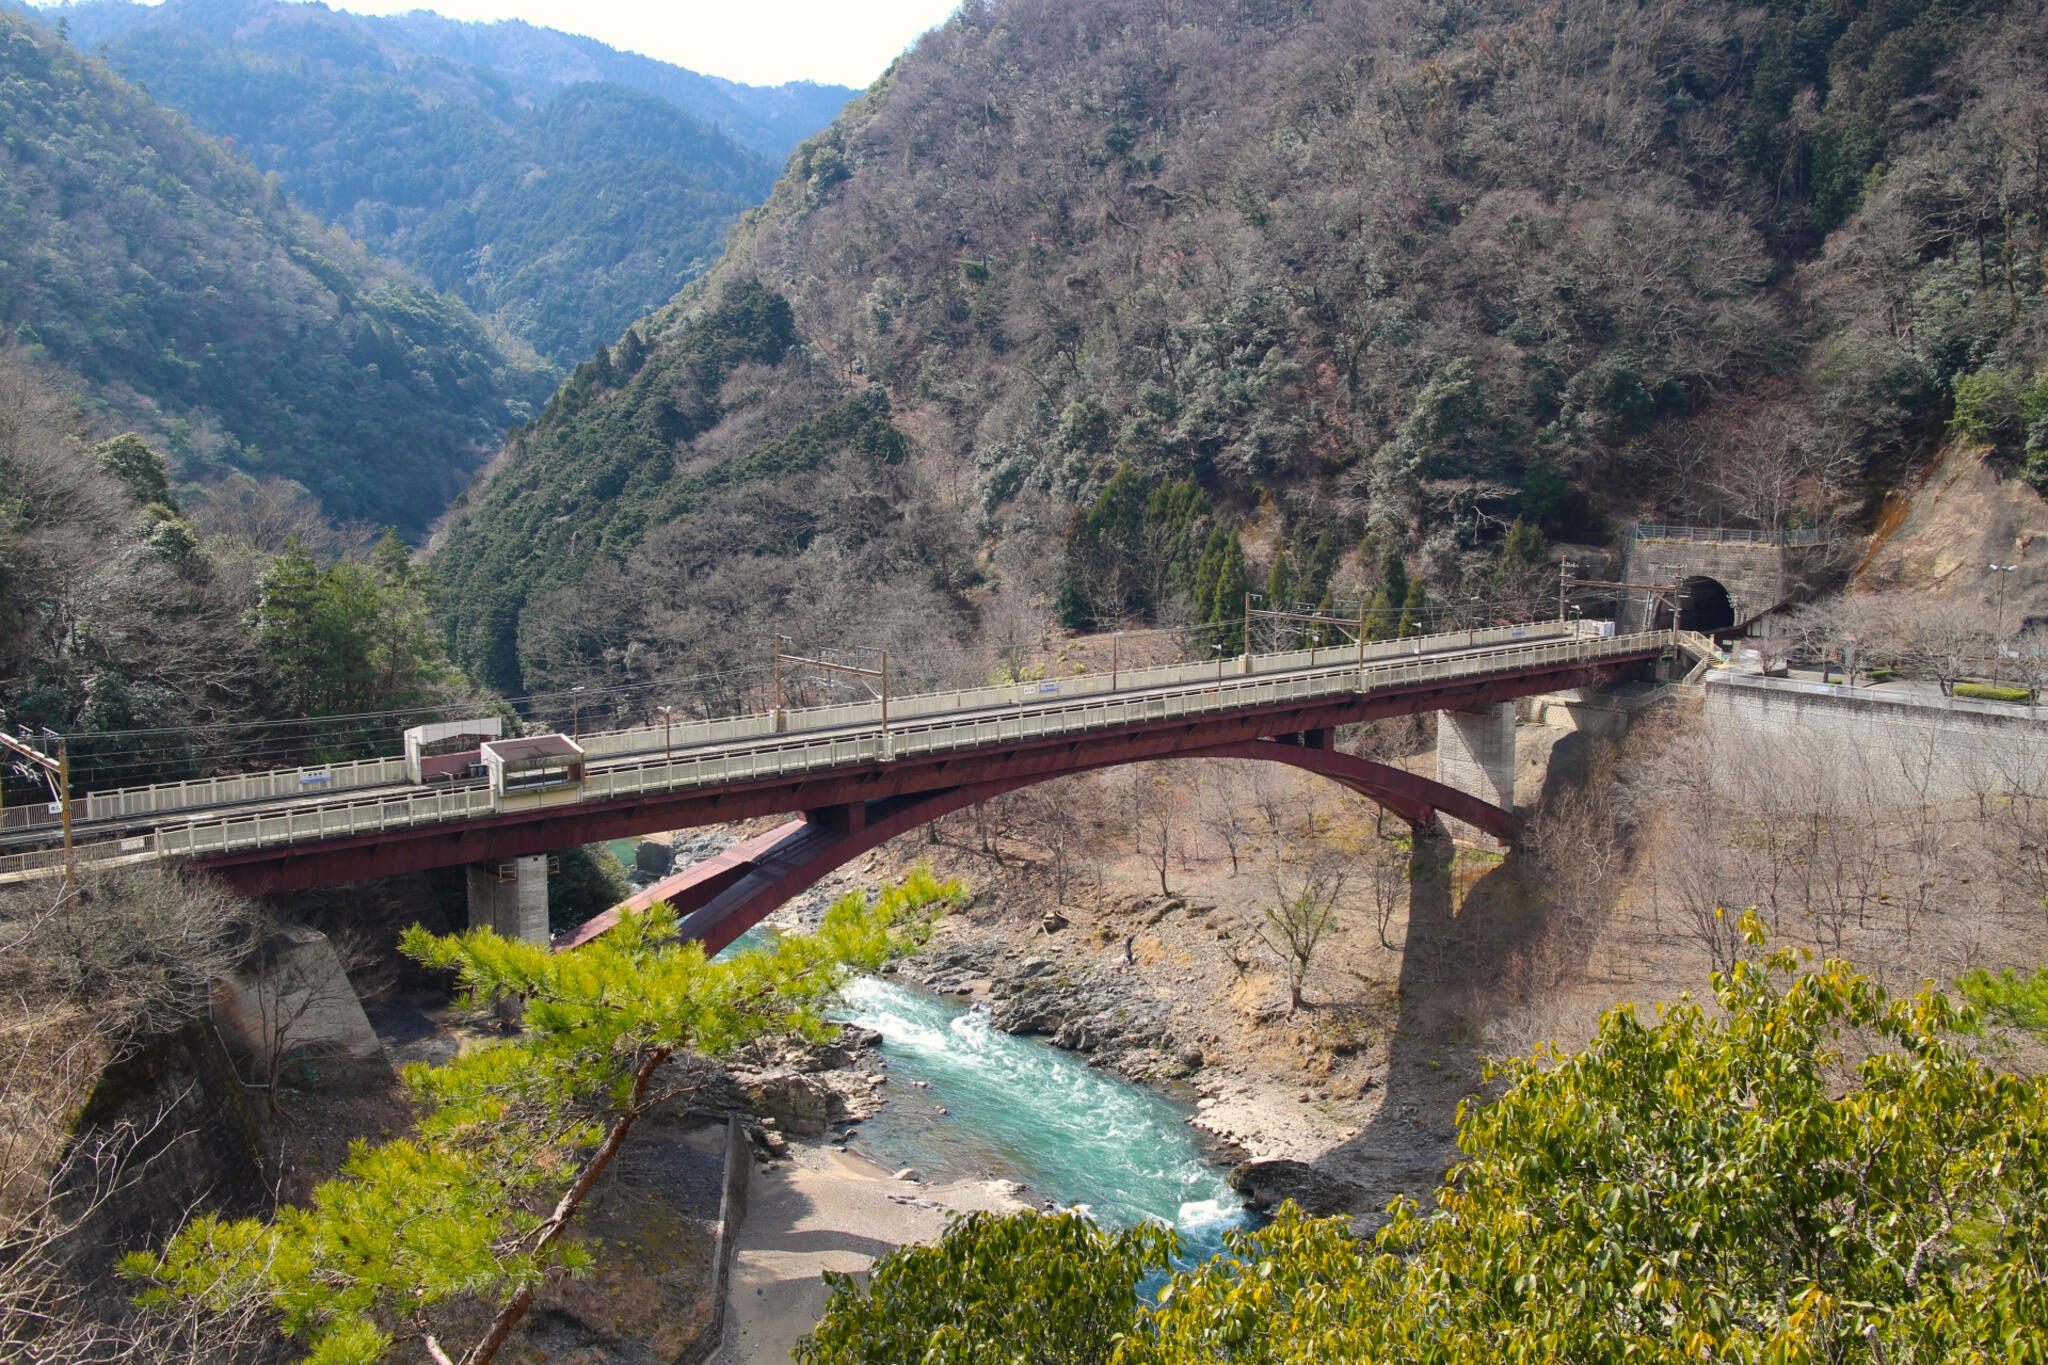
508 166
771 119
186 297
768 119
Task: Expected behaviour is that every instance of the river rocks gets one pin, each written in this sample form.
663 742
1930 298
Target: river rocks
653 860
801 1054
798 1103
1266 1185
956 967
1091 1008
1076 1003
694 846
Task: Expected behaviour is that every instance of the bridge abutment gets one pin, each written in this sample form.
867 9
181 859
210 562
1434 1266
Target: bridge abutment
1475 753
510 896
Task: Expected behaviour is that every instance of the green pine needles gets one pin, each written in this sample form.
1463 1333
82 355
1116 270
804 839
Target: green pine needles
416 1234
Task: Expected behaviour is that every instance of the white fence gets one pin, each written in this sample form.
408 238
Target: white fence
222 791
789 754
697 734
1724 535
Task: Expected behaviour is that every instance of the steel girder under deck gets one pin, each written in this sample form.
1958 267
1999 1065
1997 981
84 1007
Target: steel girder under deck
996 768
722 897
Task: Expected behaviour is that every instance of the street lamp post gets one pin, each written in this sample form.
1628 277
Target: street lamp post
668 752
1998 630
575 713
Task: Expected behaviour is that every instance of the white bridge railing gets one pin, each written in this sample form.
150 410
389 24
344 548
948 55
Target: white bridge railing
384 772
780 755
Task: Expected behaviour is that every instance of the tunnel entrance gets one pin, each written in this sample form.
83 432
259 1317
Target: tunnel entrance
1704 606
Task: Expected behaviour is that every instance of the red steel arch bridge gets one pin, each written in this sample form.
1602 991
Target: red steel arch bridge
855 777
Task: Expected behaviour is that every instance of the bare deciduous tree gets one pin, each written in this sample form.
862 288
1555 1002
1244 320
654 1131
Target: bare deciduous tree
1051 815
1386 879
1013 629
1223 809
1157 802
87 975
1299 915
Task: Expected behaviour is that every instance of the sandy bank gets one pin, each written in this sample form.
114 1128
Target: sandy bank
823 1210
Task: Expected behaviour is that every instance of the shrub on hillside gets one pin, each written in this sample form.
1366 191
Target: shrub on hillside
1813 1171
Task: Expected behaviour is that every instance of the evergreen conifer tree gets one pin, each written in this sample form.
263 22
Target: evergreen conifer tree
1414 611
1233 581
1207 572
287 606
1383 614
456 1226
1280 597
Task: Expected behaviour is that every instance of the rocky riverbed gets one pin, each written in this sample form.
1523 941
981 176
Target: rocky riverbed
1340 1106
1149 987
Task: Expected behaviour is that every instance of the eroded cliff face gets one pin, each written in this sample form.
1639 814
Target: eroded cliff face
1966 510
168 1131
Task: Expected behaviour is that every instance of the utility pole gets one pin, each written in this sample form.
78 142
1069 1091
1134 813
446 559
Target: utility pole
779 642
1677 604
64 784
668 752
1564 582
1247 627
1998 630
879 675
57 773
1114 639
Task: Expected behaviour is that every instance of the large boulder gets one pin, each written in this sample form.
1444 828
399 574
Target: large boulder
1266 1185
800 1105
653 859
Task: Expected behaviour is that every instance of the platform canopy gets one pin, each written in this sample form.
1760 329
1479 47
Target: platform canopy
532 763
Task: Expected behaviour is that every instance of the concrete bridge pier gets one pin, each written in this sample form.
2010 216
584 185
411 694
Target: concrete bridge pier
510 895
1475 753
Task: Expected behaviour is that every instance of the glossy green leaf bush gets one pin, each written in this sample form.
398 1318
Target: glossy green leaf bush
1807 1170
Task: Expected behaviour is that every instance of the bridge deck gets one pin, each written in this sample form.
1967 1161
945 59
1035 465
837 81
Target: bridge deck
933 737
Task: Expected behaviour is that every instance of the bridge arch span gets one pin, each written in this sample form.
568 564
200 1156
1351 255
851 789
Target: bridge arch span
722 897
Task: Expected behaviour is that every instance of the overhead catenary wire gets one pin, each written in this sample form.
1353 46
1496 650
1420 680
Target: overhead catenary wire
177 753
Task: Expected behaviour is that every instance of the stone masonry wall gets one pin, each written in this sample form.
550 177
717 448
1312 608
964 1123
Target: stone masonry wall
1753 574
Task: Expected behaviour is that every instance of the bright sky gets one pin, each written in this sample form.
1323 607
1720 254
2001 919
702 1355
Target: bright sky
760 42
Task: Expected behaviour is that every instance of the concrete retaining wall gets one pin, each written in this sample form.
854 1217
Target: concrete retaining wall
732 1213
1949 750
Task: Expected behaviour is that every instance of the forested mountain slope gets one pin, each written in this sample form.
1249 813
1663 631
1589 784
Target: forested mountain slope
191 300
1383 274
561 211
